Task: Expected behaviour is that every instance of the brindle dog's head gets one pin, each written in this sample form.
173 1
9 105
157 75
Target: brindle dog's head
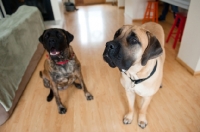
131 44
56 42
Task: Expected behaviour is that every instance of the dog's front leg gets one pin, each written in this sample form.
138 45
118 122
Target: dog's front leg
88 95
142 121
131 100
61 108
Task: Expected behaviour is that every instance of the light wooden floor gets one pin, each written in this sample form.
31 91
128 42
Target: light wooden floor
175 108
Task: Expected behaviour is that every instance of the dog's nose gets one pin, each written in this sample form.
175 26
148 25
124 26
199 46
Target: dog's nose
110 45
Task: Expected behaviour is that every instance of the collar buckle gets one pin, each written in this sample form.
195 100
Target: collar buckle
143 79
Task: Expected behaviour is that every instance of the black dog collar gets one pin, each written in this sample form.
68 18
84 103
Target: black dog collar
143 79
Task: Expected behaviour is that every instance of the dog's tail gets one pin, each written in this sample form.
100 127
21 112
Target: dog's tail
41 74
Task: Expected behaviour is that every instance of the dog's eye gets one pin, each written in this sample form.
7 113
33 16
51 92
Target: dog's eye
133 40
59 35
46 35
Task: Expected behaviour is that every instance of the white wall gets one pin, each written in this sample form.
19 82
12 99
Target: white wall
180 3
121 3
73 1
56 9
135 8
198 66
189 51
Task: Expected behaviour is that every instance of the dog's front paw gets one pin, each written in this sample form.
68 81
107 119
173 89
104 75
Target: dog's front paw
62 110
128 118
89 96
142 122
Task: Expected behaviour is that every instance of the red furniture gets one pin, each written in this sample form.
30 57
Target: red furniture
177 28
151 12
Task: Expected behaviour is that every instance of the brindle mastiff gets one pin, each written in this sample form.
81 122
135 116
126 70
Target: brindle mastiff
138 52
62 67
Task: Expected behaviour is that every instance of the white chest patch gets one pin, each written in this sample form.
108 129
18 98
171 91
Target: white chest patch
141 89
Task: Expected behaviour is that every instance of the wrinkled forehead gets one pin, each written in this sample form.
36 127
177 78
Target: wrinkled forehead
53 31
126 30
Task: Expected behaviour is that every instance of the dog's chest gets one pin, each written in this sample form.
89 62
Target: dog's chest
141 89
64 74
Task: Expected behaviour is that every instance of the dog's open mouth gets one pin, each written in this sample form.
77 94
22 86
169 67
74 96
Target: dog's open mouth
54 52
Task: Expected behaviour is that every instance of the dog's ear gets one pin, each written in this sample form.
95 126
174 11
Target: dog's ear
41 37
68 35
153 49
117 33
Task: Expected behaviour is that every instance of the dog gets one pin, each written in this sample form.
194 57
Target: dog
138 52
61 68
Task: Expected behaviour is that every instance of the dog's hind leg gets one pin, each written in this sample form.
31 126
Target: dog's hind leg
50 96
77 85
41 75
46 82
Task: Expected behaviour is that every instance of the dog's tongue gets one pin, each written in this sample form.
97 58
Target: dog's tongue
54 52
